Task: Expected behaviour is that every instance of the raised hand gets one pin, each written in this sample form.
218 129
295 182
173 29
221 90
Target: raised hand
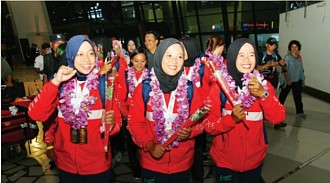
64 73
255 88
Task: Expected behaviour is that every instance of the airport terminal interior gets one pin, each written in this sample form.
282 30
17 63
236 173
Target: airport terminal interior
297 153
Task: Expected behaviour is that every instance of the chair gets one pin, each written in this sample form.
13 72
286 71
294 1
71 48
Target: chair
17 128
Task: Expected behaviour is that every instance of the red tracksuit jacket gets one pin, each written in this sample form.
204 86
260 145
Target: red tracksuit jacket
80 159
235 147
142 129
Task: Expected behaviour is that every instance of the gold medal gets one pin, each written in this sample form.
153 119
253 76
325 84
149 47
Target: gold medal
74 135
83 135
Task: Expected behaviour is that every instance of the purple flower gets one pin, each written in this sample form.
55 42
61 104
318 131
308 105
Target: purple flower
157 104
80 119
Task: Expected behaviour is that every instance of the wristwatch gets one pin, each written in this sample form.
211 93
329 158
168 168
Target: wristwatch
265 95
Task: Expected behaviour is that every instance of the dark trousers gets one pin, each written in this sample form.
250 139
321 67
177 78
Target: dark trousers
133 155
149 176
118 140
197 170
66 177
225 175
296 90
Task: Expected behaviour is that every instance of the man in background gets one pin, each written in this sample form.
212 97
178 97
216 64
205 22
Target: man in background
39 61
268 61
51 61
151 41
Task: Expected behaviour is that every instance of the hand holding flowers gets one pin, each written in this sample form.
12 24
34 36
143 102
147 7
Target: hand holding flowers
255 87
184 133
156 150
108 118
238 113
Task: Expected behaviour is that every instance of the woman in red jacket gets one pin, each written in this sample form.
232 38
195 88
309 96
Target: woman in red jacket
240 145
135 74
166 110
78 143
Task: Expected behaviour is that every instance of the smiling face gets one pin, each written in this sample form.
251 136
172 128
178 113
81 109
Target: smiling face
131 46
85 58
139 61
246 59
150 42
172 61
294 49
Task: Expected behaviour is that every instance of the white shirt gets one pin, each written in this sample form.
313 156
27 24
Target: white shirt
39 63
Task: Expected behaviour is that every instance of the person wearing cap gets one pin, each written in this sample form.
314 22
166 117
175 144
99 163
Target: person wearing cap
79 148
268 62
51 61
39 61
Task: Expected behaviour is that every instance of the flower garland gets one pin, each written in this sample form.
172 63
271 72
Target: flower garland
157 104
132 82
76 115
244 96
217 59
196 67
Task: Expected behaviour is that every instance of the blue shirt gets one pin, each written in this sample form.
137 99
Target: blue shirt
295 68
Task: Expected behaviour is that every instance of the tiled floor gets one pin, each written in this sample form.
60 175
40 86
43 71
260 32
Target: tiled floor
299 153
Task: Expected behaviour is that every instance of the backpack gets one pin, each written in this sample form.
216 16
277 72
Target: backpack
264 55
146 88
268 72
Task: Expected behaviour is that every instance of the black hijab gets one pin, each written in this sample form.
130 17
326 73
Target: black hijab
167 83
232 53
193 50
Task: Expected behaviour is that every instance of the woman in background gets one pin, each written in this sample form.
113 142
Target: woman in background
135 74
293 77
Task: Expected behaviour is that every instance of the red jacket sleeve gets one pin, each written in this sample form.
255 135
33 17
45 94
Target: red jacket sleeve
215 123
117 113
122 92
273 110
137 123
45 103
197 101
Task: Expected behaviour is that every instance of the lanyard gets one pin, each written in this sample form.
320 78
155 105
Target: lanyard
168 111
136 82
78 96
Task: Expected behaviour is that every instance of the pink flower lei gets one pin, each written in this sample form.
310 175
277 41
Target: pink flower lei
244 97
157 104
217 59
78 118
132 83
196 67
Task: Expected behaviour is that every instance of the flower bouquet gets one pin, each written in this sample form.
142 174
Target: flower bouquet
220 76
109 92
192 121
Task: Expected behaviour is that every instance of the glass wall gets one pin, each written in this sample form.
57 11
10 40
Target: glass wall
230 19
